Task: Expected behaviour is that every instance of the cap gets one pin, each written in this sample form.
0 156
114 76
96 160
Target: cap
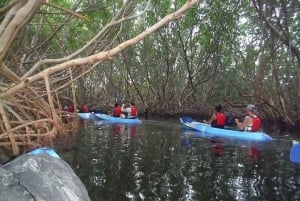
251 107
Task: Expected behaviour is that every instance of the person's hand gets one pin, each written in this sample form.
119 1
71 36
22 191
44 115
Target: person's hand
237 121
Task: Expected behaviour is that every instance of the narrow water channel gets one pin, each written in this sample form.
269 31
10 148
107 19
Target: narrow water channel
159 160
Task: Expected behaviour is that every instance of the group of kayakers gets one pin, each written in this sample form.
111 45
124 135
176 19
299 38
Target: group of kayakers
83 109
70 108
129 112
251 122
218 119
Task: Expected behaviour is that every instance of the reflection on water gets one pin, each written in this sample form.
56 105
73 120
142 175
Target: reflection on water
157 160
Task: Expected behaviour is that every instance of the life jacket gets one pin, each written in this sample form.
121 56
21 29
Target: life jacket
220 119
117 112
133 111
84 108
255 123
70 108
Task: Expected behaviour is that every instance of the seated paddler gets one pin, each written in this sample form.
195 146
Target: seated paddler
129 112
251 122
218 118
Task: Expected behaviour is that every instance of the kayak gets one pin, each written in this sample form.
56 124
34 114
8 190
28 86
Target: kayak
188 135
88 115
118 119
44 150
295 152
225 133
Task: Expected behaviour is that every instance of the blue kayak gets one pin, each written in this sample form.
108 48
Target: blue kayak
88 115
225 133
295 152
118 119
44 150
188 135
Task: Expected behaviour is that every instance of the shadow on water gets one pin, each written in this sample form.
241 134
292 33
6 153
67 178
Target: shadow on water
158 160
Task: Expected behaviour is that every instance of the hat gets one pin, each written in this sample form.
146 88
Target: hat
251 107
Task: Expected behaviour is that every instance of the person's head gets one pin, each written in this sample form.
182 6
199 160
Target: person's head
251 108
116 104
132 103
218 108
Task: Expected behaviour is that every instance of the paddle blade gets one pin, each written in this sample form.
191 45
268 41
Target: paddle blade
295 153
187 119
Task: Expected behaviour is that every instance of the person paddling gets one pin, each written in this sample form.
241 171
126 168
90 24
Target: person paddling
84 108
117 110
130 112
251 122
218 118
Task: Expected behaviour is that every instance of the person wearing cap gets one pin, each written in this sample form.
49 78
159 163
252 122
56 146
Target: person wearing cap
251 122
217 119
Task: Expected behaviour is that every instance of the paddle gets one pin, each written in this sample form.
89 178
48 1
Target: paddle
117 98
295 153
187 119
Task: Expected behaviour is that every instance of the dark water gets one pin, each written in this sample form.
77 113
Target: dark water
158 160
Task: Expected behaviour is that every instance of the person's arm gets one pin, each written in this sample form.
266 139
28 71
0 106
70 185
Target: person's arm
125 109
242 125
212 118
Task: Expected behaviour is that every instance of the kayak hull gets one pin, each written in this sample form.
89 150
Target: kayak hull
226 133
295 153
86 115
44 150
188 135
117 119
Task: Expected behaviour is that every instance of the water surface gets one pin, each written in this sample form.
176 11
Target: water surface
159 160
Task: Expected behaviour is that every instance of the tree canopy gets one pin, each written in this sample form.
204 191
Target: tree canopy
171 56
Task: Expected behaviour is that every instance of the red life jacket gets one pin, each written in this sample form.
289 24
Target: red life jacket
84 108
117 112
255 123
220 119
133 111
70 108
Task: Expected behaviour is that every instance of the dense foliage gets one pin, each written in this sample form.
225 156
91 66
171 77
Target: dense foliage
228 52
